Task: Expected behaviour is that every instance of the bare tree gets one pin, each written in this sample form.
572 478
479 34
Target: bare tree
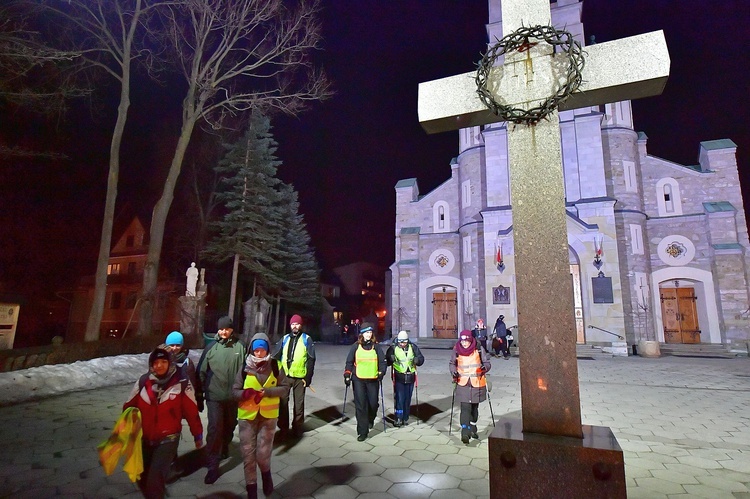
235 55
107 33
34 77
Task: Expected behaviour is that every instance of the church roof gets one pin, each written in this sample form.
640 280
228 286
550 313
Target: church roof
407 182
712 145
718 206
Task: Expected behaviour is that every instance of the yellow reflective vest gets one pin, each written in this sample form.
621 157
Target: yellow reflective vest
366 363
268 406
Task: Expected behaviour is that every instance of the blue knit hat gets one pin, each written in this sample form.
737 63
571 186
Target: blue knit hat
175 338
259 344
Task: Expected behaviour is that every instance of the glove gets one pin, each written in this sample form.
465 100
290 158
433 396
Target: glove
483 370
199 441
200 403
307 382
455 377
380 376
250 393
347 378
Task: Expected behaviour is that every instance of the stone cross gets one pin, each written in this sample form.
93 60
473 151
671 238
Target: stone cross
625 69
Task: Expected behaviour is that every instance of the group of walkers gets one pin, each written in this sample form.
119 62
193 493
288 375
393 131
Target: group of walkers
250 386
500 340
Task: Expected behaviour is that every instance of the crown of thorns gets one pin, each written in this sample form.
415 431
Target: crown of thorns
521 40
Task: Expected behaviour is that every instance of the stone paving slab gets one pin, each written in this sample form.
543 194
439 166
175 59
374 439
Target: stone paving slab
683 423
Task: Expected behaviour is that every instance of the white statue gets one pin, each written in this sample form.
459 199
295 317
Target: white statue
192 280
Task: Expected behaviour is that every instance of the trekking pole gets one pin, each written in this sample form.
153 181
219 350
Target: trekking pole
343 412
416 387
453 398
382 403
491 413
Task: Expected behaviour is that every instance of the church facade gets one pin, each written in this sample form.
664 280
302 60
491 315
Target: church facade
657 250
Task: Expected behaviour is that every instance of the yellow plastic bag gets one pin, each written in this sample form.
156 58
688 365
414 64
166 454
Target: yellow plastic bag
125 441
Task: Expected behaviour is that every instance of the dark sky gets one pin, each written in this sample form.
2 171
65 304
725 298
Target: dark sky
346 154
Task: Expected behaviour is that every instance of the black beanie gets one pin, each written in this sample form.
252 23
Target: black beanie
224 323
159 353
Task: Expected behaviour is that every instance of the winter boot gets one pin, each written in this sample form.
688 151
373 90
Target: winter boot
267 482
252 490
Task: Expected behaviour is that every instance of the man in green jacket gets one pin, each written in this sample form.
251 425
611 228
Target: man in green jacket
217 370
296 356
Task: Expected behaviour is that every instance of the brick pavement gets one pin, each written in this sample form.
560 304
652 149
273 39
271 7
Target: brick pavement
683 423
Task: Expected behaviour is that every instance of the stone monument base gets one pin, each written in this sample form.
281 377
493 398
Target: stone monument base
531 465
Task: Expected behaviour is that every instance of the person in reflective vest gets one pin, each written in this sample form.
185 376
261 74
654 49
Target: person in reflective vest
258 388
468 368
296 355
365 368
403 357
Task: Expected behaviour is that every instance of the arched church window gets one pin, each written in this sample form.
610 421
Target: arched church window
668 199
441 216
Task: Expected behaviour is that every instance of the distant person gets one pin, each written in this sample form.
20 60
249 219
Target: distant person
296 356
365 368
468 369
164 399
500 340
403 357
258 388
480 333
217 370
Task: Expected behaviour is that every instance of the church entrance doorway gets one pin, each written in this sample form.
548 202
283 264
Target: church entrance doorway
680 315
445 314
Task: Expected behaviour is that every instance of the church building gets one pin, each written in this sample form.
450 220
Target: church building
658 251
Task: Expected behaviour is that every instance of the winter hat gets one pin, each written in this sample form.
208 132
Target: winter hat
501 317
295 319
465 335
259 343
225 323
480 322
402 336
159 353
366 327
175 338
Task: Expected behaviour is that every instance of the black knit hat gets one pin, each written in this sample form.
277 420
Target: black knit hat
159 353
225 323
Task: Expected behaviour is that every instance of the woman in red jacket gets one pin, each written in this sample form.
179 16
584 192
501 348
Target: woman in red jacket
164 401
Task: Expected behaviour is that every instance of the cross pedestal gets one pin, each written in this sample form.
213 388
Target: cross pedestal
548 453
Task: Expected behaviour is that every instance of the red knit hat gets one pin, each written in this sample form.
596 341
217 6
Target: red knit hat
295 318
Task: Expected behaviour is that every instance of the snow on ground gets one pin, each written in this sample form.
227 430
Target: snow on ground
44 381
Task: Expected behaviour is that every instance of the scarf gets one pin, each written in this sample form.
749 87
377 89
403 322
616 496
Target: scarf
257 364
460 350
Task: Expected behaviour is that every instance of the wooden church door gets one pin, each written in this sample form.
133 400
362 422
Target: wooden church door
680 315
444 315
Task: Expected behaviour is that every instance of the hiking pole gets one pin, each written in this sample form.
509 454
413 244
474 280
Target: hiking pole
453 398
416 387
382 403
491 413
343 412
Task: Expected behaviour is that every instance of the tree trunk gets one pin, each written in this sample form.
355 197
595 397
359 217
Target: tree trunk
100 283
233 291
158 222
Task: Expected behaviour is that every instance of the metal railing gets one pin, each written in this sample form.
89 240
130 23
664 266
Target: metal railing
608 332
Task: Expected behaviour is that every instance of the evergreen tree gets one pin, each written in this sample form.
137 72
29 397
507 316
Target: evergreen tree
250 197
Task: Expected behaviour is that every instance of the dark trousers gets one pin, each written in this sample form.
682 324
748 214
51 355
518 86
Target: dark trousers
365 403
402 393
222 420
157 457
502 346
297 391
469 417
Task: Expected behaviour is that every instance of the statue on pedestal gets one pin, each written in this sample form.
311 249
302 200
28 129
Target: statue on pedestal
192 280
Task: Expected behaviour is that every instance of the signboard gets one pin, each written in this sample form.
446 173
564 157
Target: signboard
602 287
8 322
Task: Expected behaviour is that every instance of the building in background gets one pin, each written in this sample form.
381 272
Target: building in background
657 250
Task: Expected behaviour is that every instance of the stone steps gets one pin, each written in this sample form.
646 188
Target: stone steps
705 350
582 351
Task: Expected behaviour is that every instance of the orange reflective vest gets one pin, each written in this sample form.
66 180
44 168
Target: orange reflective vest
268 406
469 367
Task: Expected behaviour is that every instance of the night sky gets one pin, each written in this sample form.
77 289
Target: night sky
345 155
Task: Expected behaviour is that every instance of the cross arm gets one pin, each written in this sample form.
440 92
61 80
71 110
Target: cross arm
623 69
